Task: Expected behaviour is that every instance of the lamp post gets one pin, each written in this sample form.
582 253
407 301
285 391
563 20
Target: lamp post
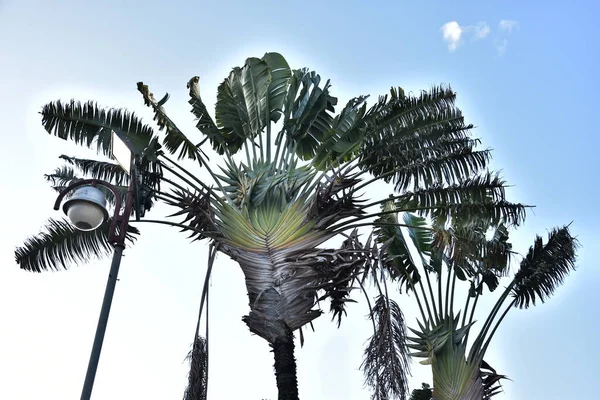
86 210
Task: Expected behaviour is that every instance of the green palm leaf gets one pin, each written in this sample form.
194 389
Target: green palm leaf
88 125
544 267
255 80
307 112
205 123
280 77
106 171
66 175
174 139
398 262
62 245
343 140
422 140
231 113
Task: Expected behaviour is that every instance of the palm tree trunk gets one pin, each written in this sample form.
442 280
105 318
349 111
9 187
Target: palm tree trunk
281 339
285 366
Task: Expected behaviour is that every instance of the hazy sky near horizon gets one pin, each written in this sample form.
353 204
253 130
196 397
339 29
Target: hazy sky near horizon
525 73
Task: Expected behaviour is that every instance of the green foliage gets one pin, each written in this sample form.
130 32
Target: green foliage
544 268
274 215
62 245
88 125
105 171
174 139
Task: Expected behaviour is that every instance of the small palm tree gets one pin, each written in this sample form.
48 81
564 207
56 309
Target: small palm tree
291 179
428 260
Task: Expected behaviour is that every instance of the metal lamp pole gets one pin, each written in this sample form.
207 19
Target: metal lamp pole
116 236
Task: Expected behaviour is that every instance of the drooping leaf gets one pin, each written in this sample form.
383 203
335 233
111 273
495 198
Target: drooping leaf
205 123
174 140
61 245
198 374
386 361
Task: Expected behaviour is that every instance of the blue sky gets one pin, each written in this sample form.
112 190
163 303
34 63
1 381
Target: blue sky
528 89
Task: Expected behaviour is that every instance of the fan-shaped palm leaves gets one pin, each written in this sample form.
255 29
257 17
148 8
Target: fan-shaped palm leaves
475 250
278 198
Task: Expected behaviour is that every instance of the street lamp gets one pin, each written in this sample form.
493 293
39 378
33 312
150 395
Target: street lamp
86 209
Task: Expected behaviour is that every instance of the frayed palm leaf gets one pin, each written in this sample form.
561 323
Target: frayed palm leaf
105 171
386 362
174 139
61 245
198 375
545 267
64 176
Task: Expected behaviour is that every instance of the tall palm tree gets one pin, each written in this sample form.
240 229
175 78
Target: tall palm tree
292 178
428 260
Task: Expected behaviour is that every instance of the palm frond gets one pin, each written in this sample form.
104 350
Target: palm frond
307 112
64 176
336 279
86 124
61 245
397 258
490 380
278 87
197 210
205 123
106 171
198 375
174 139
422 140
485 188
386 362
231 114
255 80
545 267
343 140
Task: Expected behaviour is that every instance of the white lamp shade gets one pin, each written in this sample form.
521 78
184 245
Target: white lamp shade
85 216
86 208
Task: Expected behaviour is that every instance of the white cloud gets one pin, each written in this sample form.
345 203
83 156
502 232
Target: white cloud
452 33
455 34
482 29
501 46
508 25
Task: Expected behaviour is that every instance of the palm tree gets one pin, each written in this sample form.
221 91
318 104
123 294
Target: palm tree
291 179
428 260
